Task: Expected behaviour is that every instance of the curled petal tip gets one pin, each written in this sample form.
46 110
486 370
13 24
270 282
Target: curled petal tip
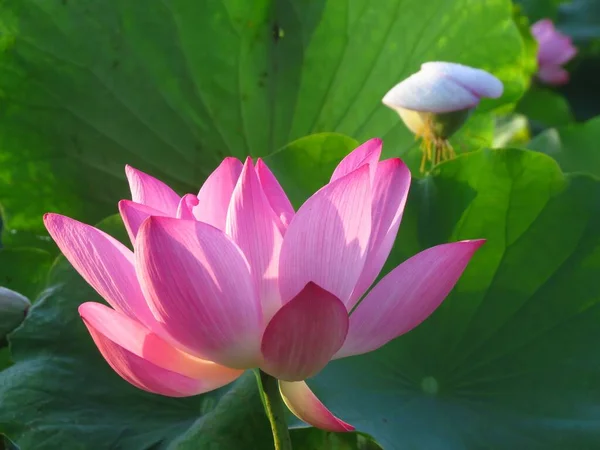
305 405
186 206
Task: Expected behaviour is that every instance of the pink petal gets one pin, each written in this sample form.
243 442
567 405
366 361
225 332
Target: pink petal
553 75
367 153
134 351
555 50
304 334
134 214
406 296
215 194
542 27
186 206
307 407
105 263
275 194
390 190
254 227
198 286
143 374
151 192
328 237
554 47
564 52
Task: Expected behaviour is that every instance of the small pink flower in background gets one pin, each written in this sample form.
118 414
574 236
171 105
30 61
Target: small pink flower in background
554 50
233 278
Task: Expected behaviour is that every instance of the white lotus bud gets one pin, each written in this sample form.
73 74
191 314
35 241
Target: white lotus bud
436 101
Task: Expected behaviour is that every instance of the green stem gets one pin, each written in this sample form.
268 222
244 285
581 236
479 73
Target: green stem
275 410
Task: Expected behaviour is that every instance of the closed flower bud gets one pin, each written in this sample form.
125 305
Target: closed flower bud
436 101
554 50
13 309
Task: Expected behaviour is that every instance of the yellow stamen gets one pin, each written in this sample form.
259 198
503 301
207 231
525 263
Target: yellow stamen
434 151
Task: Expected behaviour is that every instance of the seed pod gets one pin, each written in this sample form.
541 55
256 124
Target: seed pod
13 309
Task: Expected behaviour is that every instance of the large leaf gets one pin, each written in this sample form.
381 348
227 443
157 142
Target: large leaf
24 270
545 108
540 9
173 86
61 394
580 19
305 165
510 360
574 146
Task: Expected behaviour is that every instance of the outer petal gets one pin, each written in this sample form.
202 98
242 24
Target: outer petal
430 91
390 190
553 75
307 407
198 285
304 334
151 192
105 263
555 48
367 153
558 52
134 352
327 240
542 27
134 214
254 227
143 374
275 194
186 206
406 296
215 194
480 82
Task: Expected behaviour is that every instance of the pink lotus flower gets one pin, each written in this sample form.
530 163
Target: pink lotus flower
554 50
233 278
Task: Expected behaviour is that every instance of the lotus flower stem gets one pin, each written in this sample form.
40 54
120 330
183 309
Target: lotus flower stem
275 411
